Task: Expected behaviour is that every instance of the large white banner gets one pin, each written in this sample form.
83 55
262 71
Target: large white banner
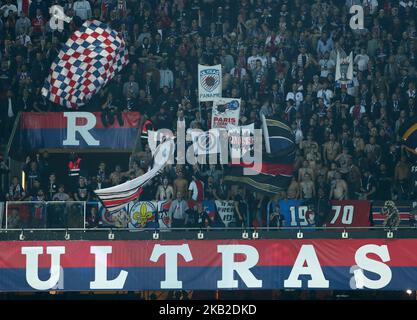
225 210
209 82
225 112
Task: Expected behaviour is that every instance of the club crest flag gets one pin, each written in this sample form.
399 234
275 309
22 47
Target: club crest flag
225 111
209 82
143 215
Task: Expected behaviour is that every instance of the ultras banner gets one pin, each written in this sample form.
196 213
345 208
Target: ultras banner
84 130
341 264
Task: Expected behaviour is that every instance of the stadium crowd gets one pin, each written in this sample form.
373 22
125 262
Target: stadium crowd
278 56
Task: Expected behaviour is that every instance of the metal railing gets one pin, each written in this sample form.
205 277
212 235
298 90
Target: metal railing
41 215
196 229
76 216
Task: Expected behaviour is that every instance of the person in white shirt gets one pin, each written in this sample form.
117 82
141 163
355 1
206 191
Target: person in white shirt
325 44
353 86
350 3
405 3
82 9
23 24
295 95
303 59
362 60
177 211
371 4
357 110
411 92
7 8
196 189
253 58
327 65
325 94
166 76
24 39
238 72
193 190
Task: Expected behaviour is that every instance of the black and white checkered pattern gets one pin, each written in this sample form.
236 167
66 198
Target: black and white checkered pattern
89 59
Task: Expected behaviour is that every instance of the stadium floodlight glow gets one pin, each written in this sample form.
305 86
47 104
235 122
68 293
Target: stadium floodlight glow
200 235
345 235
300 235
255 235
21 236
390 234
409 292
245 235
67 235
155 235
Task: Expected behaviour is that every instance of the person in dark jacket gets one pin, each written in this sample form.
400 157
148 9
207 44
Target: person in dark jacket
322 206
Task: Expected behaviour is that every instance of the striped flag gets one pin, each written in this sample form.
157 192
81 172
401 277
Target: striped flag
89 59
277 165
117 197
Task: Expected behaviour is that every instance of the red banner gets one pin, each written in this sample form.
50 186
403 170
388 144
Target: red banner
339 264
349 213
84 130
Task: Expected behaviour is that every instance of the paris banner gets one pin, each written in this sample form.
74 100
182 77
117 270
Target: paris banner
134 265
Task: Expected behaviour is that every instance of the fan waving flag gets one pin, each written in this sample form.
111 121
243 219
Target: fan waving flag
115 198
88 60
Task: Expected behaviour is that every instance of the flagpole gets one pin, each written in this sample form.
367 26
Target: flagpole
199 106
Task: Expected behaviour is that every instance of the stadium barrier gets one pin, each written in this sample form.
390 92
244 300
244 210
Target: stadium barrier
45 214
349 215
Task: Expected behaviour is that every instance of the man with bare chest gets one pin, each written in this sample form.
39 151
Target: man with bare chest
305 169
339 188
293 190
180 184
343 161
309 145
307 188
116 176
331 149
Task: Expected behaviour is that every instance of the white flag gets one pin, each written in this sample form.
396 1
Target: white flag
225 111
225 210
209 82
117 197
241 140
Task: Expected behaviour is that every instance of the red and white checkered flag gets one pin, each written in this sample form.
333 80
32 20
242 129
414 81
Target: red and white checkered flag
89 59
